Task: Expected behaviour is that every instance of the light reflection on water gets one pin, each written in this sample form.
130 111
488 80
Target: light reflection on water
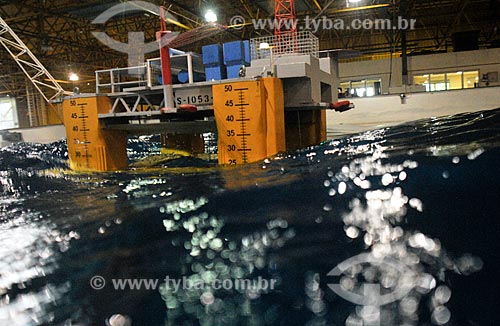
213 258
291 218
375 219
28 255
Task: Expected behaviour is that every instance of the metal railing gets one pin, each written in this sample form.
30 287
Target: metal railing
286 44
118 80
153 70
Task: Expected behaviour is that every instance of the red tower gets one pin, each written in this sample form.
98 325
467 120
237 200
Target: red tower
164 50
285 28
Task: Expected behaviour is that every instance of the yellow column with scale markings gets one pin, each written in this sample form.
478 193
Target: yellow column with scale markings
250 120
275 115
91 148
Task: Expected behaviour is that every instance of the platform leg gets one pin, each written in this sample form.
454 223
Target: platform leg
250 120
182 144
90 147
305 128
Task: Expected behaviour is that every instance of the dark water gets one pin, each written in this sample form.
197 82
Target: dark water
422 200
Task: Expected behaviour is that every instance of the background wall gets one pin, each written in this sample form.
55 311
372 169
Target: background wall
485 61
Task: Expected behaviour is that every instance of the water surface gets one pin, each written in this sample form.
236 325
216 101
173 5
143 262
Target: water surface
424 195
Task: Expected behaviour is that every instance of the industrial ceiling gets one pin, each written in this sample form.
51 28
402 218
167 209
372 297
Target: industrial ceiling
59 32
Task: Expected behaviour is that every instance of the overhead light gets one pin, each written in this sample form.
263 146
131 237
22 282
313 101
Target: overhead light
73 77
210 16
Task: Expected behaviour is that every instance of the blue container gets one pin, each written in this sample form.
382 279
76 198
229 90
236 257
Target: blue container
233 71
174 79
237 53
183 77
212 55
215 73
246 47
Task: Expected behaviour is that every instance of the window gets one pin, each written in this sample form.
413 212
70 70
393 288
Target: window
447 81
471 79
8 113
423 80
439 82
358 88
455 80
361 88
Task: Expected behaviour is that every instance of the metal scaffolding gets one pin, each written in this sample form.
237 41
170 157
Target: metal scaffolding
285 28
43 81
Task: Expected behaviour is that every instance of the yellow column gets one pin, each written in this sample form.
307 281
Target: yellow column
54 114
305 128
275 114
91 148
250 120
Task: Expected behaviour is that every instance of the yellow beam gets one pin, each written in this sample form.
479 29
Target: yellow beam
169 20
239 26
249 12
317 5
359 8
181 25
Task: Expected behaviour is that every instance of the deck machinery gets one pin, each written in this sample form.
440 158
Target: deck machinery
276 104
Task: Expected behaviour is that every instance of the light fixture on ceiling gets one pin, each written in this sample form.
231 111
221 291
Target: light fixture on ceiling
210 16
73 77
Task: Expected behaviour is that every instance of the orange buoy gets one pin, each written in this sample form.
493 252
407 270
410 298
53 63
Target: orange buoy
341 106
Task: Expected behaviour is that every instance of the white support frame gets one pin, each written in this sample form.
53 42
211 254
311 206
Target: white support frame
121 100
41 78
